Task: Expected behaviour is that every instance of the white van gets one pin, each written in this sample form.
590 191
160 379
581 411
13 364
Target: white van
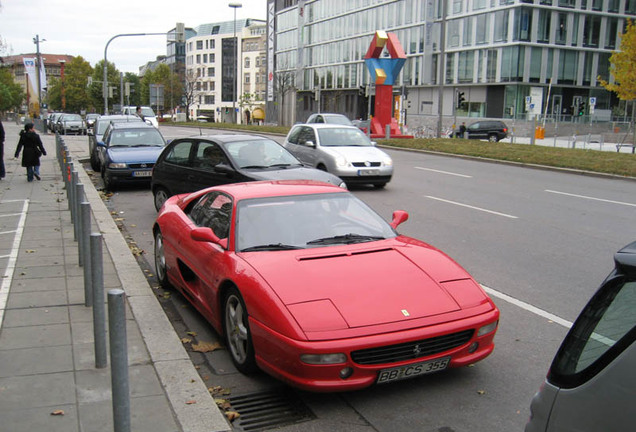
147 112
591 385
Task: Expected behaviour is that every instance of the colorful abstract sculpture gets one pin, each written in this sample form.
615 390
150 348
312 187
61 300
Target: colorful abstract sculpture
383 72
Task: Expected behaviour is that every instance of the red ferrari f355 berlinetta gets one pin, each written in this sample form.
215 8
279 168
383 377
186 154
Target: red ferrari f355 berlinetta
309 284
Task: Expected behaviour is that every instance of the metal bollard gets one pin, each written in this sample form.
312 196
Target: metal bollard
388 131
97 300
119 360
79 197
85 240
69 187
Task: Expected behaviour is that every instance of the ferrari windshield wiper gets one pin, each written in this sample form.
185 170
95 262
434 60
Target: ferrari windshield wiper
272 247
346 239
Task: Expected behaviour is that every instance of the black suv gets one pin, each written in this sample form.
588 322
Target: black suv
492 130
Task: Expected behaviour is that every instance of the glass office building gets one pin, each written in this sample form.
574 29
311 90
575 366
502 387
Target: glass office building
508 58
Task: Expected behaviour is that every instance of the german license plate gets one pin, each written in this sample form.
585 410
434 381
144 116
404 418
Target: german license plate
142 173
412 370
368 172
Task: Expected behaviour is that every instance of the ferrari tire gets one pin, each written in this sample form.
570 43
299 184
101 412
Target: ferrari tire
160 261
237 332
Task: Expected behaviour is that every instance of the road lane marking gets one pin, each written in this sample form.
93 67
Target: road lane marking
7 277
591 198
443 172
473 207
528 307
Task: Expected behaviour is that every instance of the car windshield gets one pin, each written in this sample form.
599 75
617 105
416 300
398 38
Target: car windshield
72 117
260 153
336 119
343 137
147 112
306 221
136 138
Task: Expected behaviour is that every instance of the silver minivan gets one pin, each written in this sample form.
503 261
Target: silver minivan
591 385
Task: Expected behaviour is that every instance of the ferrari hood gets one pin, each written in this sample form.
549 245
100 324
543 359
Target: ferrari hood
361 286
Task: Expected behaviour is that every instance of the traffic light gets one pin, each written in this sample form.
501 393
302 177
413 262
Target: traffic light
460 99
581 108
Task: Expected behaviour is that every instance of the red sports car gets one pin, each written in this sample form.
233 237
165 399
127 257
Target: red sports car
308 283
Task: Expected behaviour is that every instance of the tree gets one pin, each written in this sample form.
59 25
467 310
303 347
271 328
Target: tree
623 66
11 94
135 89
95 89
284 81
190 92
247 101
76 92
172 86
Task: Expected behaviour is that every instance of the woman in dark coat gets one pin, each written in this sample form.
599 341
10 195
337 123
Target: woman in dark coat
33 149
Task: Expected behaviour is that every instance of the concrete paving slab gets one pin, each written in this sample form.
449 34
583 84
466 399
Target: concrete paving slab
27 361
34 299
40 419
35 336
49 390
34 317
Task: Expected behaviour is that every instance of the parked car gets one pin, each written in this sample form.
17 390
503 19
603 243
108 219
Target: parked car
591 385
50 122
90 120
341 150
492 130
128 153
308 283
97 133
329 118
190 164
70 123
363 125
147 113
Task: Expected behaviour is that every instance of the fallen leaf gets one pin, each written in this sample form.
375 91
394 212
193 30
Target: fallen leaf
186 340
481 392
191 333
224 404
191 402
206 347
232 415
29 251
58 413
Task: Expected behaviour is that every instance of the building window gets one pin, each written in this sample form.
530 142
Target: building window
535 64
247 62
543 34
491 68
523 24
198 58
212 57
205 58
246 78
501 25
610 34
209 99
482 29
466 66
512 63
211 43
468 31
591 31
204 87
211 72
199 44
561 31
568 3
453 33
568 65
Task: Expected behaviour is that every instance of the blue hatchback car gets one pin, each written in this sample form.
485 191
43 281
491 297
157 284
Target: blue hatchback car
128 153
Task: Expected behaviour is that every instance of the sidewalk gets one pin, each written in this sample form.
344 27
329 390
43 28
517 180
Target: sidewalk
48 379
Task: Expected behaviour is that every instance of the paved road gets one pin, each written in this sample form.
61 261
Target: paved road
537 239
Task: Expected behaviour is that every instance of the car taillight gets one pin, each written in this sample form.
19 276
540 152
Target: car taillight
505 129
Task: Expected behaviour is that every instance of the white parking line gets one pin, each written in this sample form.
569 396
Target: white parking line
7 277
528 307
472 207
591 198
443 172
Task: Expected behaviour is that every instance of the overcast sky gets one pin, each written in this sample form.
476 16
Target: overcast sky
83 27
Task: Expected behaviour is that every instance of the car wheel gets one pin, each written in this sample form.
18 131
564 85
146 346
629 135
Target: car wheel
321 167
237 332
160 261
492 138
109 184
379 185
161 195
94 162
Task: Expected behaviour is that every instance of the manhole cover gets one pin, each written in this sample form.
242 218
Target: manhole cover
268 410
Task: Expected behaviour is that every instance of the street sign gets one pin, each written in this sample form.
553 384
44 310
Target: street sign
592 101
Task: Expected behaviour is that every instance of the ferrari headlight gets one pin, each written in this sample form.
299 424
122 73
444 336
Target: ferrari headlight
343 185
323 359
487 329
116 165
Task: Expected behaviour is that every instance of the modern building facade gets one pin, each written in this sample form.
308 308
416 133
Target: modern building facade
506 58
221 71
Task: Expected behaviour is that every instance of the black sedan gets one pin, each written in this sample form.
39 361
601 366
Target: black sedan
189 164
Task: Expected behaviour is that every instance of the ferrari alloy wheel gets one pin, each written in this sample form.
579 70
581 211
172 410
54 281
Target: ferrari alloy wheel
161 195
160 261
237 332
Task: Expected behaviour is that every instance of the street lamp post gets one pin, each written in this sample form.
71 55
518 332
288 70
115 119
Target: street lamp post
105 83
38 66
235 6
62 62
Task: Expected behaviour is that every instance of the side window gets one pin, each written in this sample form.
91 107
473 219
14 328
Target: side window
293 136
606 326
208 156
474 126
179 154
214 211
307 135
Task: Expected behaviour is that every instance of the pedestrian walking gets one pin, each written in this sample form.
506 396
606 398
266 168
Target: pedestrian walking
462 130
33 149
2 171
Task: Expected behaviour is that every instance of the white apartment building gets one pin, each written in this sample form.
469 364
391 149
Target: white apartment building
212 69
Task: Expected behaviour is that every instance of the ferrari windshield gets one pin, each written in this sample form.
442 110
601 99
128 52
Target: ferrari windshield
307 221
